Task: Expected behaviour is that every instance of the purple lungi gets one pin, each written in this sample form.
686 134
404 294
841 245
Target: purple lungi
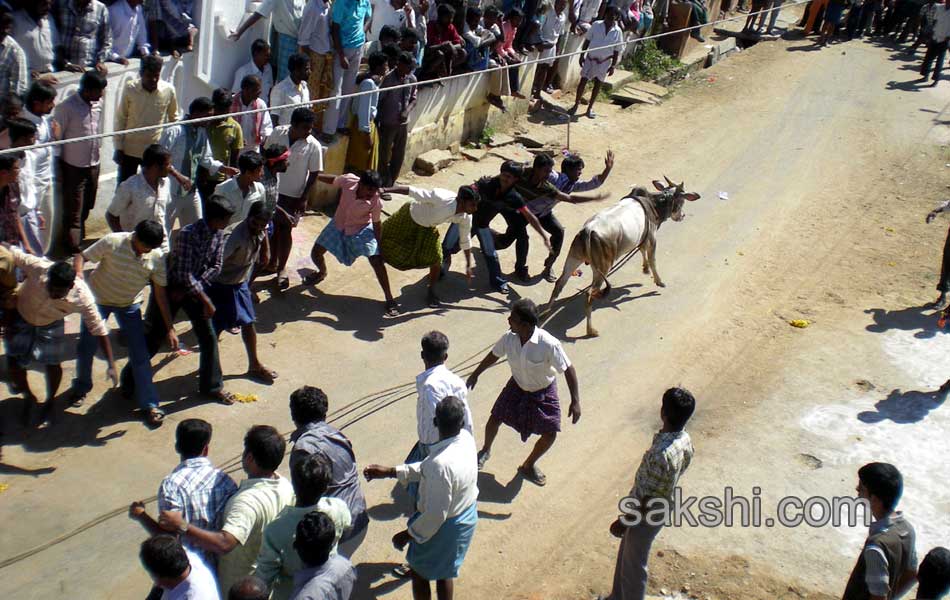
528 412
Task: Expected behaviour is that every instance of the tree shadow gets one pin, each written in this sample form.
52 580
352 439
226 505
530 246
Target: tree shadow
904 407
571 311
492 490
914 318
368 574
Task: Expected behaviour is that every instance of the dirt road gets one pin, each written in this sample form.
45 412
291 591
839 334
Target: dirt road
830 163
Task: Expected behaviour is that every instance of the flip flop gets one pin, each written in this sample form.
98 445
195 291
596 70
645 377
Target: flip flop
591 115
263 375
402 571
483 457
535 475
283 283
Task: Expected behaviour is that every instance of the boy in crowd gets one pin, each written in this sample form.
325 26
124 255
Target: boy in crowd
255 126
601 53
303 166
394 110
291 90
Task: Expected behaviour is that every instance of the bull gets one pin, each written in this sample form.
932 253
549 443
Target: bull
620 230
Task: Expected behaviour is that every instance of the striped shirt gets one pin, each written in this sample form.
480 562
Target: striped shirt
14 74
122 274
85 37
198 490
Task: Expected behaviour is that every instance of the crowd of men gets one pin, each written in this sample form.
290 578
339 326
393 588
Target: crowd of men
203 208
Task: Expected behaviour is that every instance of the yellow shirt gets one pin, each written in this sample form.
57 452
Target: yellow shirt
139 108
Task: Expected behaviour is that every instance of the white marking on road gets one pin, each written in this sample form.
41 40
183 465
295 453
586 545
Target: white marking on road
905 427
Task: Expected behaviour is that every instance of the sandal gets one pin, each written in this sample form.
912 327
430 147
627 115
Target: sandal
402 571
535 475
283 283
155 417
314 278
262 374
224 397
433 301
392 309
76 400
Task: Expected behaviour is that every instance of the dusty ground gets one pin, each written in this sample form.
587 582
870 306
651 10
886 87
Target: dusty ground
830 162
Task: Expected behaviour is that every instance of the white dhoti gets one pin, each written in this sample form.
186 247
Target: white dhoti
595 70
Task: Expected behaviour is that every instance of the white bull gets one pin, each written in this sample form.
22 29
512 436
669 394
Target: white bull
620 230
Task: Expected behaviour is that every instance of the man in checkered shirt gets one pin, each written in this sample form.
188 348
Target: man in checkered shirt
195 487
656 479
85 36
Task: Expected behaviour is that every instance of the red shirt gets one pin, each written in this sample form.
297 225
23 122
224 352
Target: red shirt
435 35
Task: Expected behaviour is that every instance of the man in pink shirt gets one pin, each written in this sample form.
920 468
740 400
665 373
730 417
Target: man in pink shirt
354 230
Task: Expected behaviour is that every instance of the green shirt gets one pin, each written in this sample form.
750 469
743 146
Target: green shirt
278 561
227 140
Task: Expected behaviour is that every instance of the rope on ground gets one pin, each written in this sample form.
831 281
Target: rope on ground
442 80
400 392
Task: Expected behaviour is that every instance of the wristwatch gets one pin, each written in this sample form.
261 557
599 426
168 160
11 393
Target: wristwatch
183 528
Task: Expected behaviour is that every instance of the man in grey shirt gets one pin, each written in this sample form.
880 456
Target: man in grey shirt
326 576
229 291
308 409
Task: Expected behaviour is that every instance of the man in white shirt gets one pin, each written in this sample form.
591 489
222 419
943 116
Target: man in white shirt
441 531
129 30
602 54
285 18
937 47
433 385
410 238
260 66
303 167
244 189
291 90
529 402
35 31
180 574
145 195
23 134
397 14
40 100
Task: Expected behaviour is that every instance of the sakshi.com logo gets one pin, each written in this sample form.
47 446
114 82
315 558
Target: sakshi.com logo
737 510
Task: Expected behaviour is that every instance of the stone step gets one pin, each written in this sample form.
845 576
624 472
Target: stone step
619 79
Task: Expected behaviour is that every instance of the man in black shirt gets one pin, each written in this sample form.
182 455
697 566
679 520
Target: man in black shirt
497 196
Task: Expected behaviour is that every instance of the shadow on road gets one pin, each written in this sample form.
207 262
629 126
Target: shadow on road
492 490
368 574
570 312
920 319
914 85
904 407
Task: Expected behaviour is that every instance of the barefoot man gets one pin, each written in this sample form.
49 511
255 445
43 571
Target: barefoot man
529 403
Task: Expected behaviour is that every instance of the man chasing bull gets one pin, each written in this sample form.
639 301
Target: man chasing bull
529 402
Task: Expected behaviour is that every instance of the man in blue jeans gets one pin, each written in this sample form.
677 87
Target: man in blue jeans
128 262
195 260
496 196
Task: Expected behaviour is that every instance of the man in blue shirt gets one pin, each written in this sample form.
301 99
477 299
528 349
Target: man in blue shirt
349 20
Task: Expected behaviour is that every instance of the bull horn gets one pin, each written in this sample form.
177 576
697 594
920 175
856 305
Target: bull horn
681 187
668 182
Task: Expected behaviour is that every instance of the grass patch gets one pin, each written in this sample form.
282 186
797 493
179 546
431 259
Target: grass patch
649 62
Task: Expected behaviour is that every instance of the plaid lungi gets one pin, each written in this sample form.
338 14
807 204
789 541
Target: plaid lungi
44 344
347 248
407 245
528 412
284 48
